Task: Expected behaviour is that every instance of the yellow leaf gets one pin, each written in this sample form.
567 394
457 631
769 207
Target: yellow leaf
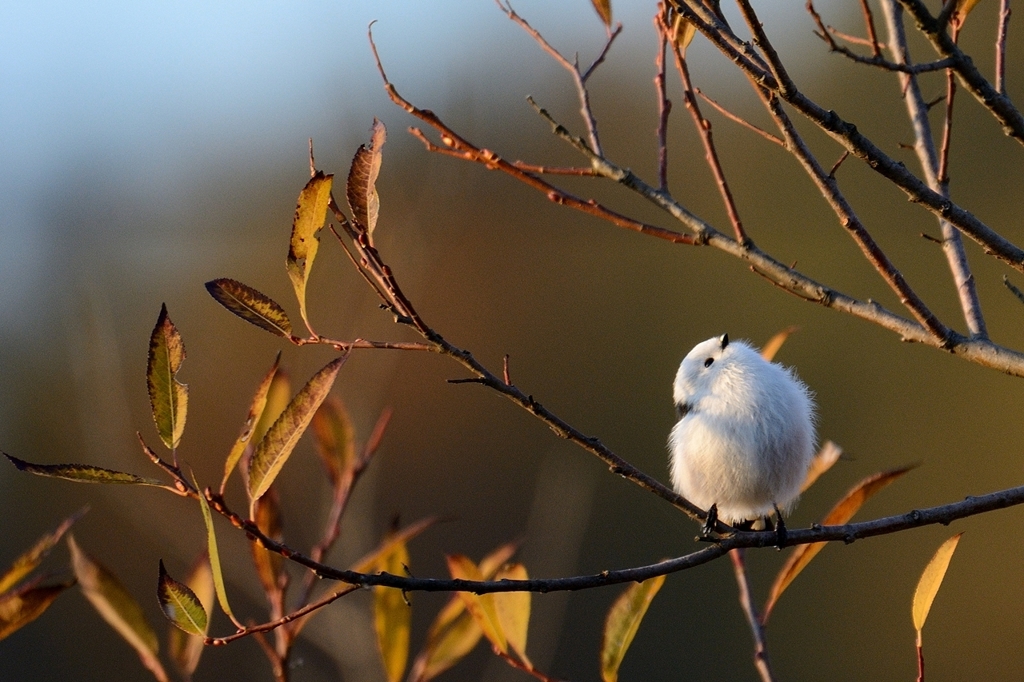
931 580
256 408
963 8
372 560
268 564
185 650
113 602
622 623
168 397
822 462
27 562
335 439
604 10
361 189
480 606
514 610
454 632
775 343
840 514
310 215
684 31
278 443
392 617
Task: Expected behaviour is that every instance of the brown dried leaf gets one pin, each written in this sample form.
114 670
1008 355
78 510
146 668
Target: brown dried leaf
168 397
335 439
840 514
310 215
683 32
268 564
775 343
361 189
604 10
251 305
24 605
822 462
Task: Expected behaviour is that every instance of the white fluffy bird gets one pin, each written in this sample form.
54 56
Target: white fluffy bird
745 435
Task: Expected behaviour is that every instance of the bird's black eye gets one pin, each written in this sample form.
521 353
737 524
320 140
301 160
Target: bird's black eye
708 362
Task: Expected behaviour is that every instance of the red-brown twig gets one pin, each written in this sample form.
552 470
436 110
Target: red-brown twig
1004 22
274 624
739 119
761 661
573 67
869 23
703 127
664 104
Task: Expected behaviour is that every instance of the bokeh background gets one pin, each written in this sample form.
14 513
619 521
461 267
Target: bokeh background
148 148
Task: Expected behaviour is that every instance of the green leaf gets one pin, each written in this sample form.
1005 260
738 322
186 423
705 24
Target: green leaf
185 650
622 623
168 397
113 602
24 605
211 548
931 580
277 445
310 214
392 617
27 562
361 189
251 305
256 408
335 439
181 605
82 473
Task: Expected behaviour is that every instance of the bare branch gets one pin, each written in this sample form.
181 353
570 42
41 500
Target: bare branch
1004 22
761 661
934 168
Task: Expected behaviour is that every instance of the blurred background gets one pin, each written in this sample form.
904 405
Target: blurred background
148 148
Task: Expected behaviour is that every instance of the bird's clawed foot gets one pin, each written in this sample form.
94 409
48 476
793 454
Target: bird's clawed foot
707 531
780 529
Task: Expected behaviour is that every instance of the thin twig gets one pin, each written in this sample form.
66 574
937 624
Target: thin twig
703 127
934 167
830 190
579 78
272 625
664 105
869 23
738 119
1004 22
761 661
